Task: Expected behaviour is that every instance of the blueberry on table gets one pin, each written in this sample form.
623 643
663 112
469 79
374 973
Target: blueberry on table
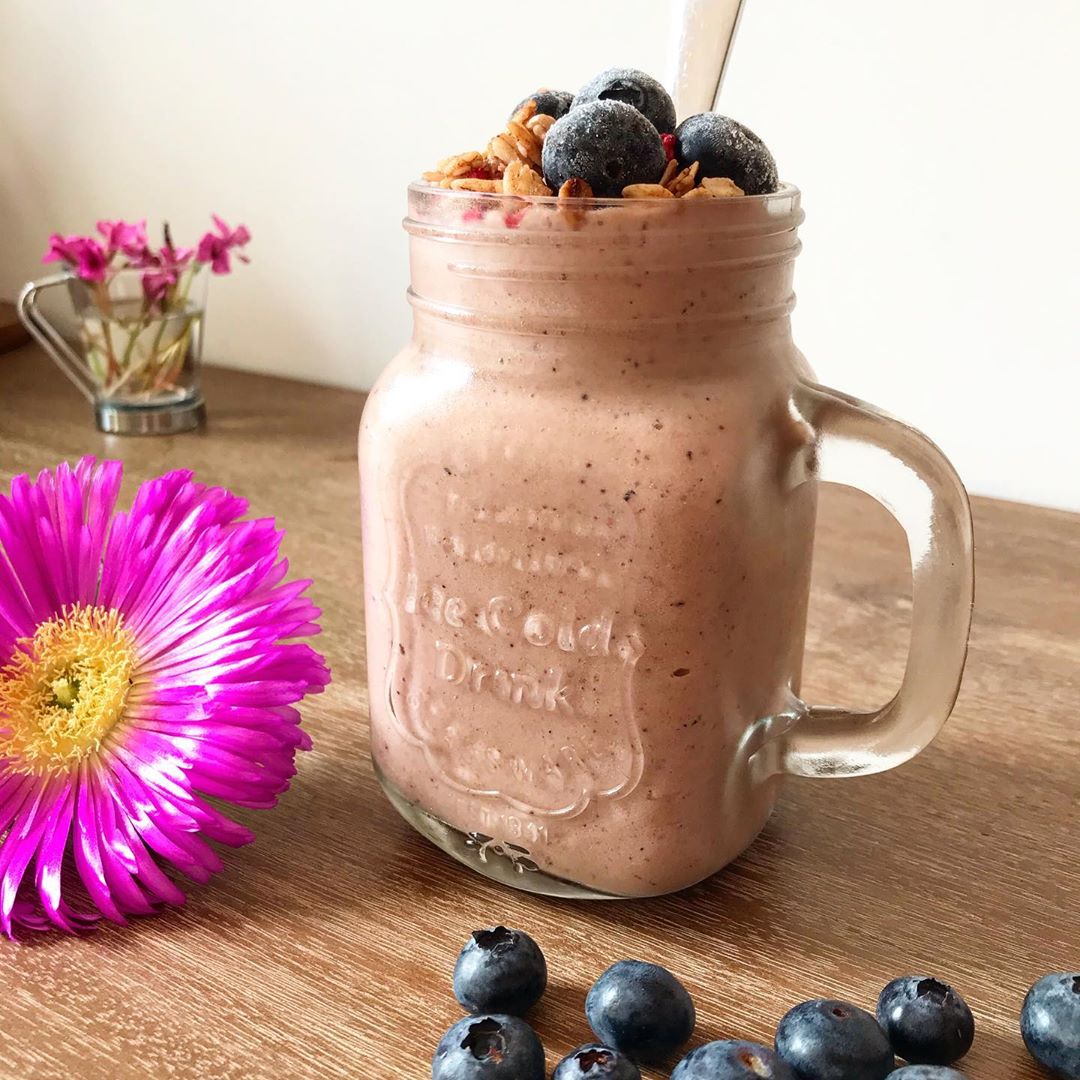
493 1047
833 1040
926 1072
724 147
595 1062
548 102
640 1009
606 143
1050 1023
499 970
926 1021
732 1059
633 88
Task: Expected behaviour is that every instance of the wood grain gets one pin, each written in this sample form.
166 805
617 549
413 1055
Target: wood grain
324 950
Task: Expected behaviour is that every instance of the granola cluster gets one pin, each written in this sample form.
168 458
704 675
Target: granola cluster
511 164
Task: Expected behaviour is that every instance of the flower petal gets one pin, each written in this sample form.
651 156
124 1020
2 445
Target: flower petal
210 711
51 855
87 851
20 846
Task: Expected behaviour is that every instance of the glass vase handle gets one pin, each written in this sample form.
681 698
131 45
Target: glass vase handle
49 338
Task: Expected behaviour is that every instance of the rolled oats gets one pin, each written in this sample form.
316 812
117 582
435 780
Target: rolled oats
502 149
684 181
575 188
540 124
526 112
721 187
646 191
460 164
491 186
525 142
522 179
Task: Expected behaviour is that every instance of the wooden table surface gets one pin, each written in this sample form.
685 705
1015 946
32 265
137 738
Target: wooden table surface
12 332
325 948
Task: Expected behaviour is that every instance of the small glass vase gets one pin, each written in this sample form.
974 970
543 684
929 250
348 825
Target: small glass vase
136 359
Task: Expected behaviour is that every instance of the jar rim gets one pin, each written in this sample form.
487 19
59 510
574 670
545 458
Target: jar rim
784 191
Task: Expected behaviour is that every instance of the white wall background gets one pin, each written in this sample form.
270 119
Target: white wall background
936 142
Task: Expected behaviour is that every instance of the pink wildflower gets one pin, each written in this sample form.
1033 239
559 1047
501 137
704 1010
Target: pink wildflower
163 269
176 258
214 247
84 253
156 285
129 238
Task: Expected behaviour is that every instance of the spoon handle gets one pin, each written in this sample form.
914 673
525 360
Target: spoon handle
703 32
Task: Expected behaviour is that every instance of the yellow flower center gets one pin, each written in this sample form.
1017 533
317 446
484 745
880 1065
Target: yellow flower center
64 689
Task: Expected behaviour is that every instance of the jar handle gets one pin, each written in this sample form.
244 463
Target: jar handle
859 446
49 338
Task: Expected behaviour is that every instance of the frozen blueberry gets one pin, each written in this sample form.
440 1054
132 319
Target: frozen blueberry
723 147
640 1009
549 102
1050 1023
926 1072
595 1062
732 1059
606 143
499 970
634 88
926 1021
493 1047
832 1040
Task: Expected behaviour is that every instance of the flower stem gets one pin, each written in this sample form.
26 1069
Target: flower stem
179 348
179 302
104 306
142 324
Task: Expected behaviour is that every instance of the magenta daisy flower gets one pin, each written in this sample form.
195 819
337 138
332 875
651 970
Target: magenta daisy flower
147 674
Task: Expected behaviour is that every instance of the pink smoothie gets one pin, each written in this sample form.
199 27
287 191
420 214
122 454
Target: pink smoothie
587 532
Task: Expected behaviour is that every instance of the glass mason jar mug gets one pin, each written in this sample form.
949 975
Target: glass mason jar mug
589 489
